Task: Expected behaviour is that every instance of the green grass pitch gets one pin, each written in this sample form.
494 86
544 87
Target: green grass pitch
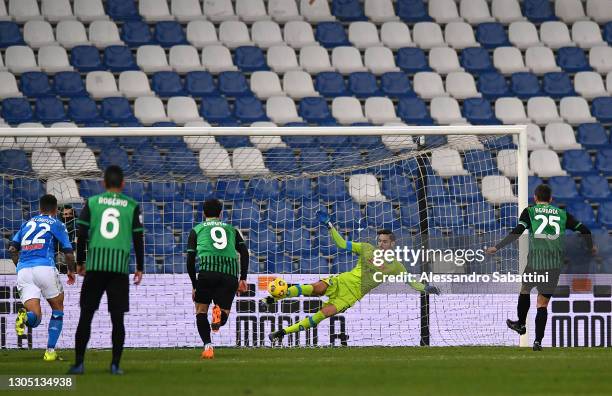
334 371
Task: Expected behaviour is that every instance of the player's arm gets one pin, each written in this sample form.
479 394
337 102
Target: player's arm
61 235
82 239
523 224
138 241
242 249
351 246
192 243
577 226
15 246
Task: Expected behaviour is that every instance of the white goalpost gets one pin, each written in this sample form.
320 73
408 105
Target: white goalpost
440 187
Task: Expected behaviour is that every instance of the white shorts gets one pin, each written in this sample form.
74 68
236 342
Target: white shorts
36 281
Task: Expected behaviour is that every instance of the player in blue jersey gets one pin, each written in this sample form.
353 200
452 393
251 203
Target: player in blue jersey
32 250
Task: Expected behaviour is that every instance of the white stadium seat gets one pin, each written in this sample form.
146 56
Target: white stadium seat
4 16
347 60
569 11
461 85
69 34
443 11
152 58
347 110
427 35
600 59
380 110
282 58
150 109
445 110
447 162
380 60
154 10
315 59
38 34
317 11
510 111
183 109
234 34
101 84
20 59
506 11
560 137
197 143
444 60
8 86
380 11
508 60
586 34
251 10
428 85
555 34
599 10
281 110
541 60
248 161
298 84
460 35
464 142
31 143
47 162
299 34
24 10
53 59
497 189
89 10
81 160
523 34
264 143
266 34
202 34
104 33
475 11
186 10
219 10
217 59
543 110
535 141
266 84
575 110
589 84
215 161
395 35
397 142
365 188
64 142
65 190
134 83
185 58
363 34
283 11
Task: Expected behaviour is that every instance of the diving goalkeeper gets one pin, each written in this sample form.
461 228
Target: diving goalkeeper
345 289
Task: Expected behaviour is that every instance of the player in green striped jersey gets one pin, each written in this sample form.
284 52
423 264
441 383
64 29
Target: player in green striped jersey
546 225
108 224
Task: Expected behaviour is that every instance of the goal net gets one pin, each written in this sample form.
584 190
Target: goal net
438 189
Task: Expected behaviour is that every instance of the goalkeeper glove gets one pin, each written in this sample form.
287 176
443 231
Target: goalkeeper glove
429 289
324 218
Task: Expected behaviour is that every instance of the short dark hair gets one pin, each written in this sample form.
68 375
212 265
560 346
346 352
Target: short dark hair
47 203
113 176
543 193
385 231
212 208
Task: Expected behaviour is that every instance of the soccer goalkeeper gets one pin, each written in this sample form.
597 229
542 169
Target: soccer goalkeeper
345 289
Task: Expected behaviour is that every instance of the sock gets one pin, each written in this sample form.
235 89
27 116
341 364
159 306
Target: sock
299 290
33 320
522 307
55 328
540 322
203 327
81 337
118 336
306 323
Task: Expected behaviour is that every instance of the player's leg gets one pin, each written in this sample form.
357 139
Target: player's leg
223 296
47 278
540 320
522 308
118 294
203 297
308 322
29 293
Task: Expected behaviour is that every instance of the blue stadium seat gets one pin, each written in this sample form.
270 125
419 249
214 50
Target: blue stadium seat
308 211
116 110
364 142
232 189
363 84
12 217
314 265
607 32
137 190
532 183
578 163
344 155
508 215
298 188
480 163
86 58
198 191
69 84
465 189
595 188
447 216
399 188
525 85
89 188
164 191
233 83
300 141
200 84
412 60
136 33
249 109
347 214
436 191
583 212
16 110
175 263
282 264
572 59
98 143
564 189
603 161
557 85
409 214
265 189
122 10
282 214
414 111
15 162
263 242
28 190
315 110
479 111
160 243
169 33
314 160
246 214
481 216
167 84
298 242
150 264
83 110
381 215
604 215
367 234
538 10
147 160
343 262
331 34
114 156
493 86
396 85
216 109
348 10
492 35
601 109
500 143
332 188
250 59
232 142
49 110
118 58
476 60
10 34
592 136
412 11
35 85
331 84
281 160
133 142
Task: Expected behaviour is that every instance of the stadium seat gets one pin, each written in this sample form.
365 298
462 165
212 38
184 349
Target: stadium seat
233 84
577 163
103 34
459 35
282 215
380 110
89 10
16 110
481 216
283 11
81 160
393 84
53 59
201 34
118 58
315 110
116 110
56 11
476 60
586 34
538 10
186 10
24 10
599 10
492 35
37 34
381 215
414 111
167 83
363 84
565 189
85 58
444 60
219 10
363 35
583 212
443 11
347 60
154 10
602 109
480 163
427 35
412 60
461 85
282 58
523 35
465 189
101 84
9 88
395 35
33 84
168 34
380 60
447 162
509 60
298 85
249 109
184 59
149 110
331 35
318 11
475 11
525 85
264 242
12 217
412 11
557 85
607 32
282 160
600 59
234 34
603 161
83 110
133 84
604 215
281 110
572 59
215 109
541 60
183 109
49 110
344 10
347 110
575 110
589 85
10 34
265 34
510 111
569 11
542 110
560 137
595 188
20 59
555 35
445 111
69 34
122 10
379 11
545 163
298 34
592 136
250 59
265 84
298 243
478 111
152 58
47 162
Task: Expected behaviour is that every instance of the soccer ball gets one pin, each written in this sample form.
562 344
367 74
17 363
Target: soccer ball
277 288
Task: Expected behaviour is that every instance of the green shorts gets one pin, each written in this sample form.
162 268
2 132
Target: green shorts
342 291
